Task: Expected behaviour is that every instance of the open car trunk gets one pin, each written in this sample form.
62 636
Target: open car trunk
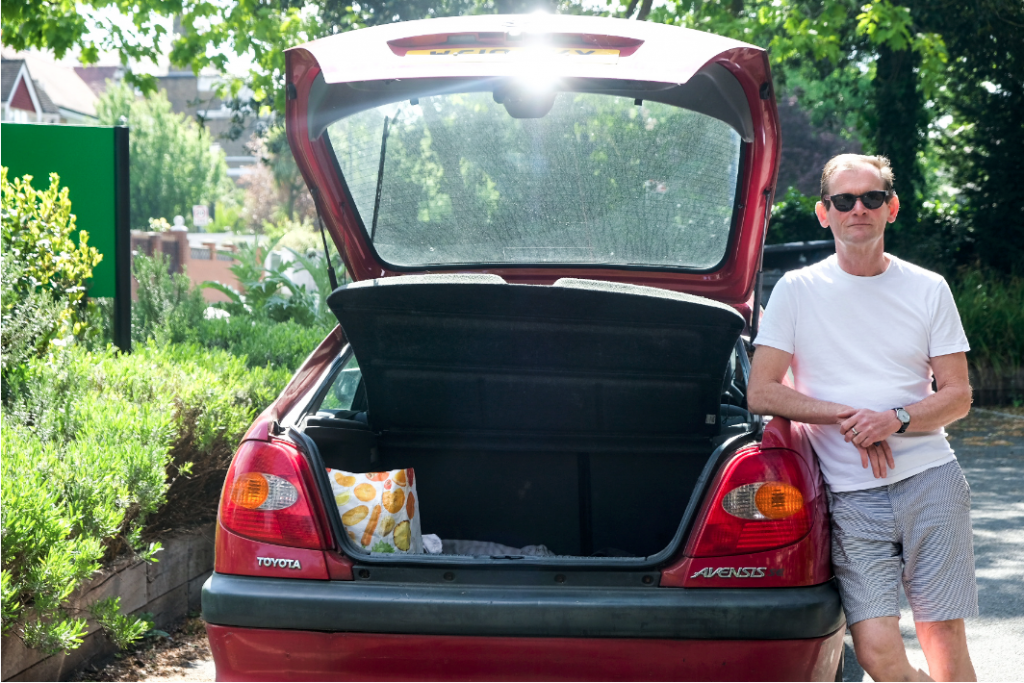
580 416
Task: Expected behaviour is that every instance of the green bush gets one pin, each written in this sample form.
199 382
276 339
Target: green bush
44 272
94 447
793 220
31 320
262 343
991 307
101 452
267 293
168 311
74 470
167 305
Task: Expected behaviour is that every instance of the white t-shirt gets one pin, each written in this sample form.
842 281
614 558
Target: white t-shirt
865 342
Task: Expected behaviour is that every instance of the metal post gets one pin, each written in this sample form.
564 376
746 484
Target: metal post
122 243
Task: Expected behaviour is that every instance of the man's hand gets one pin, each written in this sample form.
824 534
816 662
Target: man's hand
877 456
868 431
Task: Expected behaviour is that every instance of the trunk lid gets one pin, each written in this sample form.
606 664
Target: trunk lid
580 365
540 148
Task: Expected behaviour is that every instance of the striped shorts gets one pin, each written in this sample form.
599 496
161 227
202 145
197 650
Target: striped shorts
917 530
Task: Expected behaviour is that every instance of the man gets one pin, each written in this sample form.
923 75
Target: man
864 332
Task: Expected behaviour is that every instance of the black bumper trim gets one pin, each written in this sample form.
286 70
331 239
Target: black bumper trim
362 607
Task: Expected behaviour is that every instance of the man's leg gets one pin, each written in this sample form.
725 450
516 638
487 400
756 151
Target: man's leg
945 647
934 507
879 647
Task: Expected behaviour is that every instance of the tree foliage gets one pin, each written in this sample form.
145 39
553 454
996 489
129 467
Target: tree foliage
981 148
172 164
888 74
937 86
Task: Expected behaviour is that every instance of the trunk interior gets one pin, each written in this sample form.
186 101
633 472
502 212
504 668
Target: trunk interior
579 416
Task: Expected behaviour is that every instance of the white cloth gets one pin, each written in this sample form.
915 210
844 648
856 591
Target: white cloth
865 342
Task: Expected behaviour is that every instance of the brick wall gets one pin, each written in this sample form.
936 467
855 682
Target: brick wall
201 264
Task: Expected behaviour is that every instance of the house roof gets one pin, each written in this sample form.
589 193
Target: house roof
96 77
21 91
9 69
64 89
45 102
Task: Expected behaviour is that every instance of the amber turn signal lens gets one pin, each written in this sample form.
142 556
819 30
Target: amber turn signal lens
250 490
777 500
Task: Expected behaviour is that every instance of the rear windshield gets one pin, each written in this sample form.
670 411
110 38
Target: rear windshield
455 179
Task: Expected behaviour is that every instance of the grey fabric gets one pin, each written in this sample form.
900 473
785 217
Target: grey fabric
917 531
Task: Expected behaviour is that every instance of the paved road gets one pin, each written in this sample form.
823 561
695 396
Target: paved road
990 448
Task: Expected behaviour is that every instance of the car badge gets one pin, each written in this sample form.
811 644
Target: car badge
732 572
278 562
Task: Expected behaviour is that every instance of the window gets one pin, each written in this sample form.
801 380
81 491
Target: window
454 179
342 392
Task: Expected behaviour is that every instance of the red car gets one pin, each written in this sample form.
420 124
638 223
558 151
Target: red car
555 227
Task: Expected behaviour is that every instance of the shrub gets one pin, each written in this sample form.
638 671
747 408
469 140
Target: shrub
168 312
30 322
991 307
167 304
73 472
793 220
102 451
44 272
261 343
267 293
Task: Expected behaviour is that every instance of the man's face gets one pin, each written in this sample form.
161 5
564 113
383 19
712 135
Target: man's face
860 225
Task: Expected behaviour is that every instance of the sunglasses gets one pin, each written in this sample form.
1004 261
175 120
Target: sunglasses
845 202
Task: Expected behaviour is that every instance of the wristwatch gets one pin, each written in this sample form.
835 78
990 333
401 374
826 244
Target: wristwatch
904 417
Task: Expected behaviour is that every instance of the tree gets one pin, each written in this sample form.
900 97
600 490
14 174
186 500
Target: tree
173 166
981 147
893 74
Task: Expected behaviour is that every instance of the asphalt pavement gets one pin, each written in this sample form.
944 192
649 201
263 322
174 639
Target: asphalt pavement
990 447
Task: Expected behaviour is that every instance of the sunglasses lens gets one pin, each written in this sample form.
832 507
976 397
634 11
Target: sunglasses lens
844 202
873 200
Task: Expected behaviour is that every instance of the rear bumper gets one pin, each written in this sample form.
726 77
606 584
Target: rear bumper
246 654
281 629
564 611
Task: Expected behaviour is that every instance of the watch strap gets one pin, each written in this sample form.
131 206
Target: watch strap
903 425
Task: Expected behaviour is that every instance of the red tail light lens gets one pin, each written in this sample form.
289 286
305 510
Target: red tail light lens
757 502
267 496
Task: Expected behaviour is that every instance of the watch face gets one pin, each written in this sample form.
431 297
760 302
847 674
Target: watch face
903 416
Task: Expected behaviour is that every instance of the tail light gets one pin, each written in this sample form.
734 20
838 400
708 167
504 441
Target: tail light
759 501
267 496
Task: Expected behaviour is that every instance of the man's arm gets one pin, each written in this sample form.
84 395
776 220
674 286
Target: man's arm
767 395
951 402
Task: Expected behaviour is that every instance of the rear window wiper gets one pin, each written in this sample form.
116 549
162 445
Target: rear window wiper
380 173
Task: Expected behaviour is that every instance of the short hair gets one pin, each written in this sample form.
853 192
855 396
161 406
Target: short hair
843 162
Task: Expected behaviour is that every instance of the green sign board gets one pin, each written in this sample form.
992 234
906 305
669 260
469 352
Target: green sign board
92 162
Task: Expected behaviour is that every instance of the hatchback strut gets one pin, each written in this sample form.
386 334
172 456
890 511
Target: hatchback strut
331 276
755 317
